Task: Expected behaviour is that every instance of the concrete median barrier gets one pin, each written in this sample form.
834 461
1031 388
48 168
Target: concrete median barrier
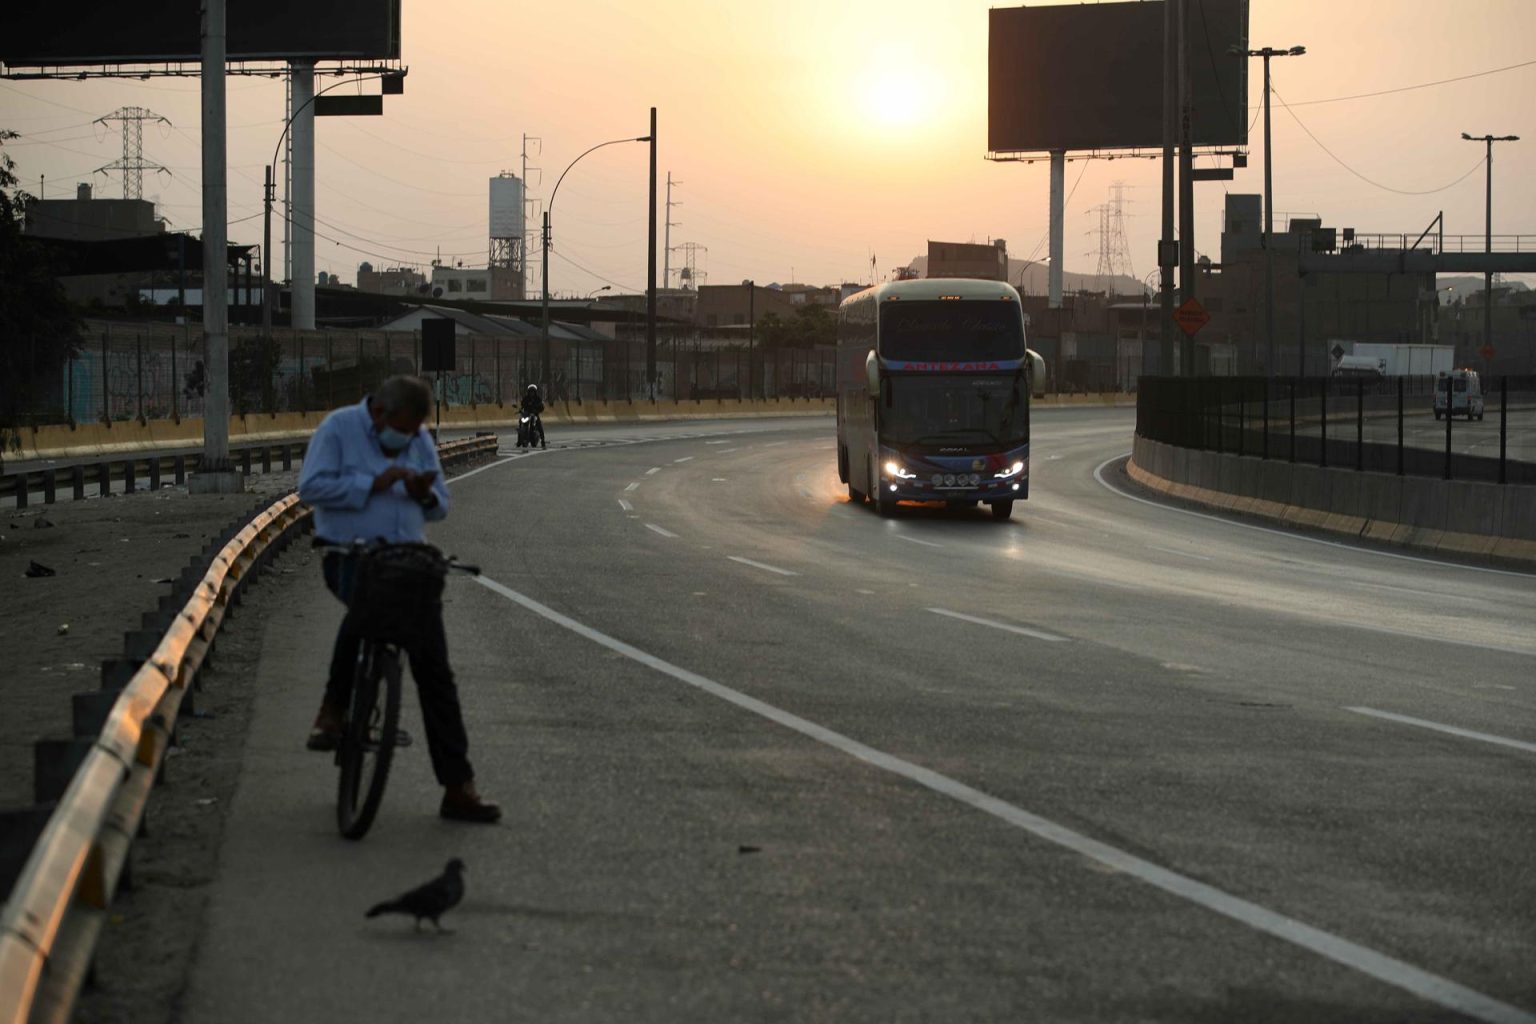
1482 521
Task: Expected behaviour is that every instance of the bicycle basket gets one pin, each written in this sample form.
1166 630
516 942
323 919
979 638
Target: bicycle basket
397 589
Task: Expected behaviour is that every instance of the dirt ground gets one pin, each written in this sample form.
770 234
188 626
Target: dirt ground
114 558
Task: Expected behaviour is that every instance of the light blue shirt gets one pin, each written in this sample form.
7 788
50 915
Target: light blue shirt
337 478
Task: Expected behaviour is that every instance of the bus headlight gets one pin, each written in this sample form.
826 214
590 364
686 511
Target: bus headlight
895 469
1011 471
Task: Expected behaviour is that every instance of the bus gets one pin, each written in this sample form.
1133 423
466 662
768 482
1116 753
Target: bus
934 379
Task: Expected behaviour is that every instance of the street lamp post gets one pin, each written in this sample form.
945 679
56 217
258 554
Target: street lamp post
544 261
1269 195
604 288
270 186
1488 140
1027 265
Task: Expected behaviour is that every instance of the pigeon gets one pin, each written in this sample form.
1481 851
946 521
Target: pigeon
431 901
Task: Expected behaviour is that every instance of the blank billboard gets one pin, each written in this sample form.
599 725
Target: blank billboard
151 31
1086 77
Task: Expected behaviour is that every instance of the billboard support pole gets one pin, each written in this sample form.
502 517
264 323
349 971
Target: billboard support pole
1058 213
215 475
1186 186
302 230
1165 246
650 275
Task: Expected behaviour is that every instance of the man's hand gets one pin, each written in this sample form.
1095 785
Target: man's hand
419 485
385 480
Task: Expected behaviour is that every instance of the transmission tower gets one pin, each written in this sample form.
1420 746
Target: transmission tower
689 275
532 214
132 164
666 245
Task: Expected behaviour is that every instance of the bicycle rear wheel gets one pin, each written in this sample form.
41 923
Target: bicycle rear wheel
368 744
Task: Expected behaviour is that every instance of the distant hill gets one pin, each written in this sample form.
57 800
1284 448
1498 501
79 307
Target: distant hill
1036 281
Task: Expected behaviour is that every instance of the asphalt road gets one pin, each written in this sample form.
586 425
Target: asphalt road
766 756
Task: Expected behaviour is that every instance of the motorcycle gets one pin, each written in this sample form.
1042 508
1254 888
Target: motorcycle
530 431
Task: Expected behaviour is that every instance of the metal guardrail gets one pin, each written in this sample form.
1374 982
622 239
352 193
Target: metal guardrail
51 922
133 471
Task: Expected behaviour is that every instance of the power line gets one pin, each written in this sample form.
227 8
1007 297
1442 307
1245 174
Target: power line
593 273
1422 85
1351 170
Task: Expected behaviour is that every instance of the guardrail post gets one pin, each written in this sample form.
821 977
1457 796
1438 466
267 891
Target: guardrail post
266 459
245 461
104 478
1399 426
130 477
50 487
1360 425
54 763
20 487
179 469
77 479
19 832
1503 424
1323 404
287 450
154 472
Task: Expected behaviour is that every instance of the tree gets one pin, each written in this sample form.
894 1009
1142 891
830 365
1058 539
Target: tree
38 328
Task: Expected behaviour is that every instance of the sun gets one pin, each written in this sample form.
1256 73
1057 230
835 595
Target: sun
896 90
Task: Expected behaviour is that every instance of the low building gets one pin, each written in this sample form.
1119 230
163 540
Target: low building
390 280
967 259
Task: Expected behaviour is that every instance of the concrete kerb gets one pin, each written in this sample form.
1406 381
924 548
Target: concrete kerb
1485 521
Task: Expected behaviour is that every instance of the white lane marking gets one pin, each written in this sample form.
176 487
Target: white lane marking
685 458
1430 987
653 471
1450 729
1098 474
481 469
862 591
774 444
661 530
1176 551
761 565
1021 630
914 540
626 506
717 442
633 486
727 451
717 480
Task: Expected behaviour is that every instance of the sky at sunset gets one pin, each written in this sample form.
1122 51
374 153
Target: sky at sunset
808 136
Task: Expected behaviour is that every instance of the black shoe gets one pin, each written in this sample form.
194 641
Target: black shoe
463 803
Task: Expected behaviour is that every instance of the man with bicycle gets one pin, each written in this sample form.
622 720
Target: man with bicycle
372 473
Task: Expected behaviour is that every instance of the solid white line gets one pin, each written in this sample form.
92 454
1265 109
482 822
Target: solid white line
1451 729
1021 630
761 565
717 442
660 530
633 486
727 451
481 469
1430 987
1098 474
774 444
685 458
914 540
653 471
626 506
1176 551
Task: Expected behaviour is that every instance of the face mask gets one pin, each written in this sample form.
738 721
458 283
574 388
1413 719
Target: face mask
392 440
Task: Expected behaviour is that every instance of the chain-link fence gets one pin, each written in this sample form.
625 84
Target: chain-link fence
1387 425
154 371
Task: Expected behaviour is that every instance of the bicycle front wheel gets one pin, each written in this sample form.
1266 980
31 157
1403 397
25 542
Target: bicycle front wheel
368 744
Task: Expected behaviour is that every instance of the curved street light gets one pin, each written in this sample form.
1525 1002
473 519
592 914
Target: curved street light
270 185
544 261
604 288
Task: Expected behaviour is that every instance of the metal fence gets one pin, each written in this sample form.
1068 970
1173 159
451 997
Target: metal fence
154 371
1385 425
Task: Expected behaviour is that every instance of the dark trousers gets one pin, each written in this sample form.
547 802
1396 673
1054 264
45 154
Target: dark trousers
441 715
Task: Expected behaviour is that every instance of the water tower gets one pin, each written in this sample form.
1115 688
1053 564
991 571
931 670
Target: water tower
507 226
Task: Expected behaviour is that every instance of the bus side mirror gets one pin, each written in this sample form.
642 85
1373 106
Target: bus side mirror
1036 373
872 374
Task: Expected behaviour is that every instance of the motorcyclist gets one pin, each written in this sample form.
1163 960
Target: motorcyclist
533 405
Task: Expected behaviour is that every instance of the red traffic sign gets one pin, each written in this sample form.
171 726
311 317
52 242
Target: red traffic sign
1191 317
1487 353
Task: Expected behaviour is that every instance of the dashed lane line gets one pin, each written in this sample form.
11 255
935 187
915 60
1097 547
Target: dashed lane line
653 471
661 530
1452 730
1038 634
762 565
626 506
1430 987
634 486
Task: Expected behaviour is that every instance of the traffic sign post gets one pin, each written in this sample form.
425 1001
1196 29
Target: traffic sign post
1191 317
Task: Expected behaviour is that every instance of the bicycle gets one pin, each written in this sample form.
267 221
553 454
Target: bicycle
391 586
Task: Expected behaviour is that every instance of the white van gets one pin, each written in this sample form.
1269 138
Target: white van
1461 392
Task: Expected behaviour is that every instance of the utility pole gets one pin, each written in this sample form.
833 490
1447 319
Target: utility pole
527 202
1269 195
650 275
666 245
752 334
215 475
1487 140
1167 247
1186 187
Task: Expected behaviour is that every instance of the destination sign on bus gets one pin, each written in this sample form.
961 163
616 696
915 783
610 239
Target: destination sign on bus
951 367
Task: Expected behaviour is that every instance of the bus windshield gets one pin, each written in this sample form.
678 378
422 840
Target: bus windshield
942 410
951 330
